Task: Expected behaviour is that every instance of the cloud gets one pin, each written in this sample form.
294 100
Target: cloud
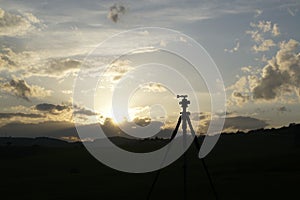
30 17
242 88
235 48
12 115
15 24
21 114
57 67
153 87
243 123
117 69
62 65
269 84
142 121
275 30
31 63
139 112
264 46
281 74
264 26
199 116
255 35
240 98
282 109
232 123
200 122
71 138
21 89
51 108
46 113
54 129
146 49
240 83
25 118
115 11
66 112
6 60
22 61
84 111
67 92
258 12
260 30
278 80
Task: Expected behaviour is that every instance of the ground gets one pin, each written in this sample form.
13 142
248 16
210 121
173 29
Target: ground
242 166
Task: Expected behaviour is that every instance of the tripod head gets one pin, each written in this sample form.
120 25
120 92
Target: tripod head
184 102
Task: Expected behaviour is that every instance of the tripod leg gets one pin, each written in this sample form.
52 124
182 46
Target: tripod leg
185 176
176 129
158 172
196 142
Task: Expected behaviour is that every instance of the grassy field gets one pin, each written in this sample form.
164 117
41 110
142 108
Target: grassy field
242 167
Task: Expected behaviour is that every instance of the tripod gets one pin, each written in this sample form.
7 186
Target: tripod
185 120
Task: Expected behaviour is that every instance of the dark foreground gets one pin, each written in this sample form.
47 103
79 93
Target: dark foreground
243 166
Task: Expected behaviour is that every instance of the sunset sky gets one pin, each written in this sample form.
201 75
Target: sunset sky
43 44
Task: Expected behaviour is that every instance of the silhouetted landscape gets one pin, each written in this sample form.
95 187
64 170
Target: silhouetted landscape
260 164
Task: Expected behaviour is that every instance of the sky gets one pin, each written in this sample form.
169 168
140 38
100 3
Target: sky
44 44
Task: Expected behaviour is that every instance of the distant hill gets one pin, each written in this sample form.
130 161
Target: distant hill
289 134
39 141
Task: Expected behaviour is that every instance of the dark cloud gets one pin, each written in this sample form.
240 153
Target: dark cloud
51 107
240 98
46 112
115 11
142 121
21 89
234 123
244 123
6 60
44 129
59 129
115 78
18 88
282 109
269 86
11 115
